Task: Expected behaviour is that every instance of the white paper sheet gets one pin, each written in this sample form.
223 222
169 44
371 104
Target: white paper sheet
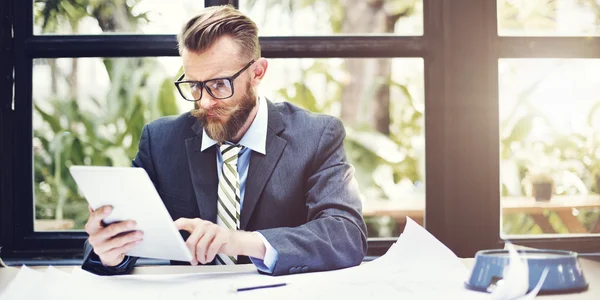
20 287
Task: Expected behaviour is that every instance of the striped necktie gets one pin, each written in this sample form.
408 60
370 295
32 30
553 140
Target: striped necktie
228 208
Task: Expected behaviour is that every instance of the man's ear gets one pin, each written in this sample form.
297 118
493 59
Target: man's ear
258 70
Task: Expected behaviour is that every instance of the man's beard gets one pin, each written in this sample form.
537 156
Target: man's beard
238 114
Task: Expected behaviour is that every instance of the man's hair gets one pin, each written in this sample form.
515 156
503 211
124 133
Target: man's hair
201 31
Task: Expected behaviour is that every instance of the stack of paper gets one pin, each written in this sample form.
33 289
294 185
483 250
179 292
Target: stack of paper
417 266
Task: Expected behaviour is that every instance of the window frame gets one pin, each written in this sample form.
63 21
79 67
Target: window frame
462 203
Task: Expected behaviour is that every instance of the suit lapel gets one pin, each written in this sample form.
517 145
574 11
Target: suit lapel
203 170
261 166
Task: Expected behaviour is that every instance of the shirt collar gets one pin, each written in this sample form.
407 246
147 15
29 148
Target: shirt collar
256 136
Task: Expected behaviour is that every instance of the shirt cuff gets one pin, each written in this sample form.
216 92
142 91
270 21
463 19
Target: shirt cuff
268 264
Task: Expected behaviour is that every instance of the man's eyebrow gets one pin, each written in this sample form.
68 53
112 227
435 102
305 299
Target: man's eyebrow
219 74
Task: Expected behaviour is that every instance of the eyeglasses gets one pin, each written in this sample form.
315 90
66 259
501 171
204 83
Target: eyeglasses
218 88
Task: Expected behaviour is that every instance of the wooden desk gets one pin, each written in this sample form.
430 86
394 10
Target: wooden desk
591 270
562 205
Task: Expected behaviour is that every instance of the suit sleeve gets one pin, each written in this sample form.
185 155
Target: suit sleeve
91 261
335 235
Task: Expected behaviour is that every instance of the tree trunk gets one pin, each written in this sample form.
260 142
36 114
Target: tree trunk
381 110
72 80
366 96
53 76
114 16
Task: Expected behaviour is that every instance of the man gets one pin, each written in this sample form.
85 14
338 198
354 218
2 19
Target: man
249 180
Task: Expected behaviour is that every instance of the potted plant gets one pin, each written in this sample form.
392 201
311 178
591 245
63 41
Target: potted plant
542 185
542 165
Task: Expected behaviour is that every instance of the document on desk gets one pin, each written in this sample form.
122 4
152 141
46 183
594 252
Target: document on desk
417 266
31 284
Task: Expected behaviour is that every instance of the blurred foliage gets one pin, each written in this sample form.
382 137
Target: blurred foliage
112 16
539 16
105 134
140 92
573 161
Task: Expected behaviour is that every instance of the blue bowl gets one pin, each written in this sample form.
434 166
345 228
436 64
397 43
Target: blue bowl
564 271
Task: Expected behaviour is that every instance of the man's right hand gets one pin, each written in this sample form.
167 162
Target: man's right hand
111 243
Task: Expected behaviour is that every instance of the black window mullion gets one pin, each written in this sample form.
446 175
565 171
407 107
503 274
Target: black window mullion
105 45
343 46
208 3
272 47
21 131
6 125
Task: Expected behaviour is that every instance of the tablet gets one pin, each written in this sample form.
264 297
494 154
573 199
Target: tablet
133 196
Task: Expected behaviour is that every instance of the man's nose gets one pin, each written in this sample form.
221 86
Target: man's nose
206 102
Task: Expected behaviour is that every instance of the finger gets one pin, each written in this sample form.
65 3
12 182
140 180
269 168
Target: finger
215 246
119 241
100 213
185 224
204 243
97 215
192 241
115 229
100 235
118 254
93 224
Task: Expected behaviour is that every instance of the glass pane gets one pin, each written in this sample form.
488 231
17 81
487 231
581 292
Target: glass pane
385 137
381 103
289 18
91 111
104 16
549 17
550 146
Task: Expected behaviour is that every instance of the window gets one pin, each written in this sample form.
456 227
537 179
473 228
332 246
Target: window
384 126
550 147
548 124
438 95
303 18
90 111
548 18
98 17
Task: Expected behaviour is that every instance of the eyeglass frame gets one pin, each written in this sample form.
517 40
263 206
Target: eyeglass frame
203 85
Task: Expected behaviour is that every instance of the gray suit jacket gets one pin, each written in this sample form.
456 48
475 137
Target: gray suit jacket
299 195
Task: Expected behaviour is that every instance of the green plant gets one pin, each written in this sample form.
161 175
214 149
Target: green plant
71 131
106 133
581 151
